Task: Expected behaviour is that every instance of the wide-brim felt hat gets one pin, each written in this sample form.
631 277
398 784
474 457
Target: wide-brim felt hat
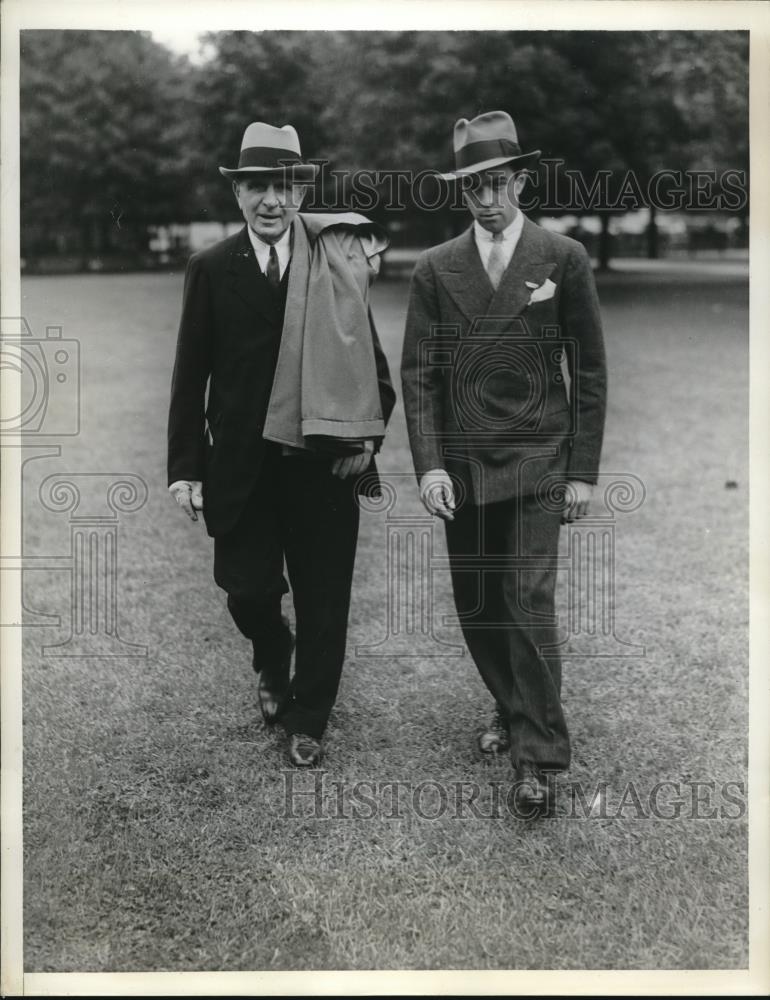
487 141
271 151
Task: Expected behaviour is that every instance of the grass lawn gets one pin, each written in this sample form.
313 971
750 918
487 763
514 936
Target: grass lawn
156 834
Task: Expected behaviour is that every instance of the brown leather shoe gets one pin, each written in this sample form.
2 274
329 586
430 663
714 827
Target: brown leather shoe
496 738
533 794
304 750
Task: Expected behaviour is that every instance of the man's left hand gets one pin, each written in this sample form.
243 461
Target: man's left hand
576 500
353 465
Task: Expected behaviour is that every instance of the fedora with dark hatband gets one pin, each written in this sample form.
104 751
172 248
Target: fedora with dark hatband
487 141
266 149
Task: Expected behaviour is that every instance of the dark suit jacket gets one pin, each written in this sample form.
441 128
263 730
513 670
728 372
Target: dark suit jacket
498 392
228 340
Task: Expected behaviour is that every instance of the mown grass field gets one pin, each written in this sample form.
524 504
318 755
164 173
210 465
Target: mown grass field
156 826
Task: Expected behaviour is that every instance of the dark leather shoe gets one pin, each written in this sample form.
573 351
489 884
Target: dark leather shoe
304 750
272 694
274 684
532 795
496 738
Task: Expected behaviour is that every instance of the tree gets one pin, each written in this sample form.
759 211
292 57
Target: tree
669 100
276 76
104 136
117 134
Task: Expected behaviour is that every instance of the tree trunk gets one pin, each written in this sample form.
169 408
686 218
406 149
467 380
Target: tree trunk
652 235
604 243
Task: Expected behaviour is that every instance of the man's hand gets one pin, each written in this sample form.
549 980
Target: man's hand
437 494
577 496
189 496
353 465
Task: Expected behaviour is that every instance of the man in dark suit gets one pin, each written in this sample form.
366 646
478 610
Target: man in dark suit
279 400
500 320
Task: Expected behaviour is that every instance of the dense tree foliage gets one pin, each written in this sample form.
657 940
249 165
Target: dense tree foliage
104 137
117 133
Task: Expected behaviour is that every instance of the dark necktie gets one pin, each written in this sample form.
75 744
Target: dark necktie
273 269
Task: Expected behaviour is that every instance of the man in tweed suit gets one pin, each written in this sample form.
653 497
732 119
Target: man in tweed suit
504 386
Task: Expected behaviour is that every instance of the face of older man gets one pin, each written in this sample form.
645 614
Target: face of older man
268 204
493 197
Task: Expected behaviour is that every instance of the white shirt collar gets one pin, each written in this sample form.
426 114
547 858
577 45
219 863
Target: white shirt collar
262 249
511 232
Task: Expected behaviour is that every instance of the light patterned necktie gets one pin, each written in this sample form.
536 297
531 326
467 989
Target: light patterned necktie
496 264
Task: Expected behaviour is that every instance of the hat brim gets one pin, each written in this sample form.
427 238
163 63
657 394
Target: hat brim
301 172
521 162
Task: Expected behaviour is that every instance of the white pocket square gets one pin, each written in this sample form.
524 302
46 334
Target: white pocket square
542 292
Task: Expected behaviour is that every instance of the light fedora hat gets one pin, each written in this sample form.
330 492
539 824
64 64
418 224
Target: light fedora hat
266 149
487 141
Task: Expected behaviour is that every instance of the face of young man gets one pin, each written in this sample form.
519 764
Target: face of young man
493 197
268 204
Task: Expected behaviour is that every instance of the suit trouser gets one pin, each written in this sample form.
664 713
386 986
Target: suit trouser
508 618
302 514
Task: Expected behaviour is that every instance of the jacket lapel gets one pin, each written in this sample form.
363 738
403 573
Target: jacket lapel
530 262
243 277
468 283
466 280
